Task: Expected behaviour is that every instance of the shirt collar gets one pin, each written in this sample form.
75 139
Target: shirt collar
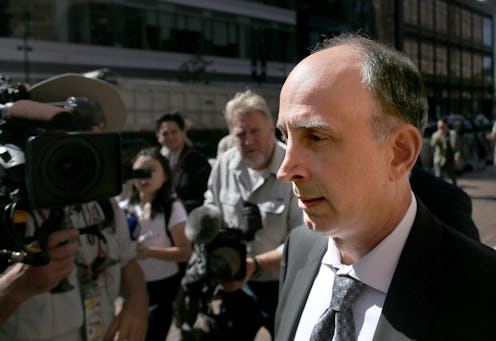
376 269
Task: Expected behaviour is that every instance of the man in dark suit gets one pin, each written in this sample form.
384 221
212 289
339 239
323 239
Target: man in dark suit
190 168
352 114
448 202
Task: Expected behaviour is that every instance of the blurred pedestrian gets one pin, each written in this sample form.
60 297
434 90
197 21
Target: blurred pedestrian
492 137
449 203
161 240
190 168
225 143
447 151
243 185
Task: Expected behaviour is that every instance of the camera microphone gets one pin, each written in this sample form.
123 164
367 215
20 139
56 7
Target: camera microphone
203 225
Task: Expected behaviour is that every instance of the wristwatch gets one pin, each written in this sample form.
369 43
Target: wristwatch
258 268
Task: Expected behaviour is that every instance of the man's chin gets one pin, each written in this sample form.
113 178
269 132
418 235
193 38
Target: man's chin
316 225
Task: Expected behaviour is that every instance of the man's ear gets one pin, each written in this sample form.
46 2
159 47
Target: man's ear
406 144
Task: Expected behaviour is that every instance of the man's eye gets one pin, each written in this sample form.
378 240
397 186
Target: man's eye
316 137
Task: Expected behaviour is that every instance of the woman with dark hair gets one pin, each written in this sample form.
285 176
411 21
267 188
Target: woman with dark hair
162 244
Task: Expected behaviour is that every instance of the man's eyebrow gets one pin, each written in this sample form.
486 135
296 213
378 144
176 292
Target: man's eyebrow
311 124
307 124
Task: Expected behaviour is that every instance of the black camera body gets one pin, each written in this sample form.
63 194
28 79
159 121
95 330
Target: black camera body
226 256
44 164
65 169
55 169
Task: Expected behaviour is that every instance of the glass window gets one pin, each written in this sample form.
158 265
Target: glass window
152 30
410 12
427 14
455 63
166 24
426 58
487 31
466 65
487 69
441 60
477 68
466 24
454 20
441 16
133 27
101 20
477 28
411 50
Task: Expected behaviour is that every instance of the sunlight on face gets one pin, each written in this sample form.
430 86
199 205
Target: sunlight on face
254 138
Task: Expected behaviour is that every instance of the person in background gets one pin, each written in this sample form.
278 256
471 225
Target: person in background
99 265
372 262
451 204
447 151
190 168
160 233
492 136
225 143
243 185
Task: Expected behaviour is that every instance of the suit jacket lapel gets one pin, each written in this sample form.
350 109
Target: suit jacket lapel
411 303
309 254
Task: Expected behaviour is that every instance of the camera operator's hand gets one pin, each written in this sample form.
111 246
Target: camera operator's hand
132 321
22 281
62 247
268 261
232 286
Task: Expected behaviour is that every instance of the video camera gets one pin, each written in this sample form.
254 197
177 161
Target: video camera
219 255
44 165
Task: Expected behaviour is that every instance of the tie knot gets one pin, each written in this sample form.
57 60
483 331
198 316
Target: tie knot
344 292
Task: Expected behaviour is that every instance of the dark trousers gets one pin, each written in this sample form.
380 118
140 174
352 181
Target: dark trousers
160 311
243 312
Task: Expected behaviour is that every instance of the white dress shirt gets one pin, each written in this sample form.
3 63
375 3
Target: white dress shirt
375 270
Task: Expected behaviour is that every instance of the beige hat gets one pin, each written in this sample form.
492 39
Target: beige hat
59 88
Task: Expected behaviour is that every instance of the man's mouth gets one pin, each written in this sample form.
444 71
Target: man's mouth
305 203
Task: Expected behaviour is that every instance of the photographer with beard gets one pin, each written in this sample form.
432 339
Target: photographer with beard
99 265
244 187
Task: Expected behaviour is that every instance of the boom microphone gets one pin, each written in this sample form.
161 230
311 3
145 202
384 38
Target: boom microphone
203 225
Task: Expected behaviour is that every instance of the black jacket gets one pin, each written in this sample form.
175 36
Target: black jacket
443 287
190 182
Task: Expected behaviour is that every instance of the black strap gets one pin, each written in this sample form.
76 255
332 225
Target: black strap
167 214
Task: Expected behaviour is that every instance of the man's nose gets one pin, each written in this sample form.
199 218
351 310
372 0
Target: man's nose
291 167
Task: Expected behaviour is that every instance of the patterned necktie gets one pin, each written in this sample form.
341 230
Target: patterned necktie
339 313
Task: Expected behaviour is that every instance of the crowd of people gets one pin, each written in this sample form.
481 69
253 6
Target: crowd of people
346 236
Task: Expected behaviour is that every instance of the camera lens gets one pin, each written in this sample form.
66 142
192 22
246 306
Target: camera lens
70 167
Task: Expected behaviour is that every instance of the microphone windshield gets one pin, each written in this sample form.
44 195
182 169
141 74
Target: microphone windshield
203 224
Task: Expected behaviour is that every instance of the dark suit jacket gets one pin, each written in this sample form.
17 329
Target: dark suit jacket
190 182
449 203
443 288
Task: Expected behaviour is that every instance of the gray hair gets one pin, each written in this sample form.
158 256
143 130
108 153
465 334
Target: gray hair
245 102
394 81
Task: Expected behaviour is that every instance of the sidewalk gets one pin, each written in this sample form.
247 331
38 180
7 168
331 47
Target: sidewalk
480 185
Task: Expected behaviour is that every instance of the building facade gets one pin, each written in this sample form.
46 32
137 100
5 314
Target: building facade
249 43
197 40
